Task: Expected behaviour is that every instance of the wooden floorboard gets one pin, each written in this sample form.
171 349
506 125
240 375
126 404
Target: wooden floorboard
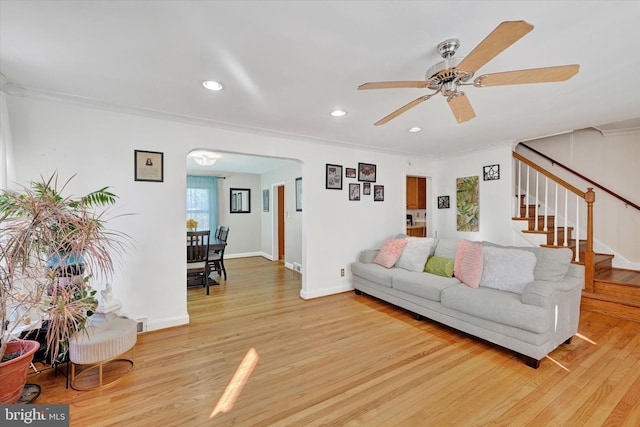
348 360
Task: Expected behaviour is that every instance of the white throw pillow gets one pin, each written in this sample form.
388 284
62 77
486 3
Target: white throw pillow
415 254
507 269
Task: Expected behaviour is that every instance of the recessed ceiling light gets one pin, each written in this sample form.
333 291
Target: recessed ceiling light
415 129
338 113
212 85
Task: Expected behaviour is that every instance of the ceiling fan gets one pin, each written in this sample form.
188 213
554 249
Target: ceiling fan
448 75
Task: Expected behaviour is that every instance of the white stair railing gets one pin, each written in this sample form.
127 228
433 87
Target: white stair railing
528 178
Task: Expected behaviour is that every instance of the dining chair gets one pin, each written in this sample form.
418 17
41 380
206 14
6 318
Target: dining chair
216 255
197 256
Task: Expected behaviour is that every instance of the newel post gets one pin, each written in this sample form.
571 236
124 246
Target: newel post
589 259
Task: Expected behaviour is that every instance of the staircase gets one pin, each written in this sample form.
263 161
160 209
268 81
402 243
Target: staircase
613 291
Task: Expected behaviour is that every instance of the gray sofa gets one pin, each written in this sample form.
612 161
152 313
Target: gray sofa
532 323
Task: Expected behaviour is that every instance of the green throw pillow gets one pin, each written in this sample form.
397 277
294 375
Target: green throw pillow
440 266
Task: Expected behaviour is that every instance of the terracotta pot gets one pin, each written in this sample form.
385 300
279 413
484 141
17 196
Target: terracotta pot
13 373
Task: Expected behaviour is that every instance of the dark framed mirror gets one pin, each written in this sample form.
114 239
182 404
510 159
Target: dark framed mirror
240 200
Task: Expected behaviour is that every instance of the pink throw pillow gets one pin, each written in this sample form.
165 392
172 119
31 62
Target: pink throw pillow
390 252
468 264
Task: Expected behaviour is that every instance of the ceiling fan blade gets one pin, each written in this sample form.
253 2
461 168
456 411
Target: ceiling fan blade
394 85
503 36
401 110
461 107
533 75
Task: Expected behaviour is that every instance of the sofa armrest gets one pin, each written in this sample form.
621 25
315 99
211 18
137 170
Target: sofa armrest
562 301
541 292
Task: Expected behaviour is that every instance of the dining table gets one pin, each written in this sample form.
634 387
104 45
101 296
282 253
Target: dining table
216 244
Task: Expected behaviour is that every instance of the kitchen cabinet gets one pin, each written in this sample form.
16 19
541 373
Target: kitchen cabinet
417 231
416 192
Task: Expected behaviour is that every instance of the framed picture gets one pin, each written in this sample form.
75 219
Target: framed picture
265 200
443 202
491 172
149 166
240 200
354 191
350 172
334 177
299 194
366 188
366 172
378 193
468 203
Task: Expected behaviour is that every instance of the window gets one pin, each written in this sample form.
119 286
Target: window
202 201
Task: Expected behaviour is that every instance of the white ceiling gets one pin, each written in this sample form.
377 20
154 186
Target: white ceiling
286 64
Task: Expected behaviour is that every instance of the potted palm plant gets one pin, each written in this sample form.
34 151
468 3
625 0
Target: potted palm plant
50 247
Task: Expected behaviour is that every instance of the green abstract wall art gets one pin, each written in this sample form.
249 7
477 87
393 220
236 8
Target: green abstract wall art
468 203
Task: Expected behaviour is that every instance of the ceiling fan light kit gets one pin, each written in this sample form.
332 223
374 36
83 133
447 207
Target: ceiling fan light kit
205 160
448 75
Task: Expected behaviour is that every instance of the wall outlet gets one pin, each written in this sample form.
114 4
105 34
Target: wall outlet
342 272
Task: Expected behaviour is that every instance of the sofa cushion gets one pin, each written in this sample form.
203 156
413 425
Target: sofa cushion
552 263
368 255
467 266
439 266
507 269
390 252
374 273
423 285
415 254
498 306
446 248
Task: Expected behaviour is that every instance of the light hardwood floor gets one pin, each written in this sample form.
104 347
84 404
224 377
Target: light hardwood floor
353 360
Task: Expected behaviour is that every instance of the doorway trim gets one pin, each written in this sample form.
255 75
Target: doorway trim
430 224
274 219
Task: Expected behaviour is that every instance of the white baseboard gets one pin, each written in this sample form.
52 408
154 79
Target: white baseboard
167 322
325 292
247 255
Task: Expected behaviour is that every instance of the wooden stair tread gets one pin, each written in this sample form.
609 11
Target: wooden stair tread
620 276
616 293
560 230
622 308
627 301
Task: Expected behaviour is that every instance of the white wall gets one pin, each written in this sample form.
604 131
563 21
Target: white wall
496 197
292 219
99 145
244 228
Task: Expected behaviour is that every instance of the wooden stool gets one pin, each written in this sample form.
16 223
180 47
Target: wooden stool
99 347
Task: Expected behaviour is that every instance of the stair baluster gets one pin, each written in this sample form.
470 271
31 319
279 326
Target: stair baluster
555 223
546 205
